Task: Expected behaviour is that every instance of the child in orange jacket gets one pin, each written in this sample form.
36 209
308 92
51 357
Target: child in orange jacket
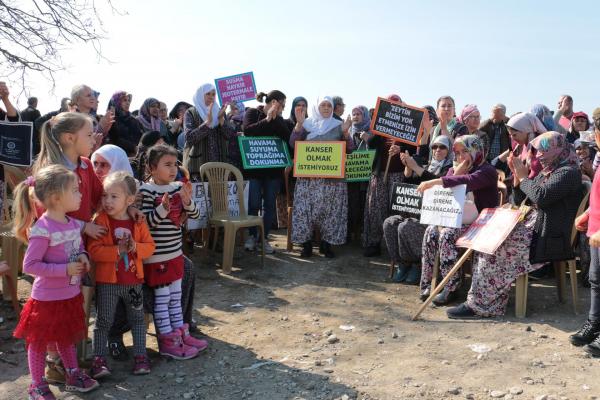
119 271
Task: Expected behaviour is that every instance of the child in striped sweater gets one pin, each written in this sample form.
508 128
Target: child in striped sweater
163 202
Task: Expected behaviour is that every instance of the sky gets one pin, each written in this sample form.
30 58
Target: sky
481 52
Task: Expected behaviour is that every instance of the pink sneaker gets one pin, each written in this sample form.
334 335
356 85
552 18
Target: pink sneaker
40 392
99 368
188 339
141 365
80 382
171 344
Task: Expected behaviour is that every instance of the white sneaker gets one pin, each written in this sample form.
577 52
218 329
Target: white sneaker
268 248
250 243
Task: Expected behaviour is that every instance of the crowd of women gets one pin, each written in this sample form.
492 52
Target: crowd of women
537 158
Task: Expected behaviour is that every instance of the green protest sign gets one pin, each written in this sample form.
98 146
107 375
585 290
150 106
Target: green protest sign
359 165
263 152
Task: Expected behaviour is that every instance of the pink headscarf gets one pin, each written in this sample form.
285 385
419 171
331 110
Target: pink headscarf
394 97
466 112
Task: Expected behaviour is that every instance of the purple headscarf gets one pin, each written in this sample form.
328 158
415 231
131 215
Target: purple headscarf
149 122
466 112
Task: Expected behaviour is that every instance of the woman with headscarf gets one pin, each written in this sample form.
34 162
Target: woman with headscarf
357 191
481 178
108 159
522 128
265 183
381 186
149 117
299 107
206 130
471 117
403 233
580 122
319 202
543 236
126 131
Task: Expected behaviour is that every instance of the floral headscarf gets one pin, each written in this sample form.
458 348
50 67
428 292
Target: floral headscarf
366 122
149 122
557 152
466 112
544 115
473 144
115 101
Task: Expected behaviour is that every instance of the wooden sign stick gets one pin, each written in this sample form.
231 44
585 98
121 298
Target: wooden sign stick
387 167
439 287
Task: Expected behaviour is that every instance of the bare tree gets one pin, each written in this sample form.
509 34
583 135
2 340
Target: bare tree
33 33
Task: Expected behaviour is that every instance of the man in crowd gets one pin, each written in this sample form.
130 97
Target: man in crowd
338 107
496 131
31 113
565 104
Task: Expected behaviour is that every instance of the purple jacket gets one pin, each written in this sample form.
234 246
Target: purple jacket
482 181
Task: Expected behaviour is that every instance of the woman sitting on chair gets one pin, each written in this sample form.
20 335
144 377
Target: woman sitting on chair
543 236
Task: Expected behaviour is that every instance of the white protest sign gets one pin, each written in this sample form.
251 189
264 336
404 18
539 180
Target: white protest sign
201 196
443 206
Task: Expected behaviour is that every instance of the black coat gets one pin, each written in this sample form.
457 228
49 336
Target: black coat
125 132
557 199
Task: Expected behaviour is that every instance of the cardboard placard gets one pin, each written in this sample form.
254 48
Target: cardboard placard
263 152
489 230
359 165
319 159
443 206
240 87
406 200
201 196
398 121
16 146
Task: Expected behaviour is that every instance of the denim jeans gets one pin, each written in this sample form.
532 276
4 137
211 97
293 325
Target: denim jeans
262 194
595 284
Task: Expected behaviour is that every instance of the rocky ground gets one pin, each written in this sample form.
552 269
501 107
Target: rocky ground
337 329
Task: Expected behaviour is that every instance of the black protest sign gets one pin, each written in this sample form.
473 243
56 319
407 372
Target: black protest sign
263 152
406 200
16 143
397 121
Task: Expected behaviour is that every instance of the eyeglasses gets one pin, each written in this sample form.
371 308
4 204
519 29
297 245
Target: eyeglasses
438 147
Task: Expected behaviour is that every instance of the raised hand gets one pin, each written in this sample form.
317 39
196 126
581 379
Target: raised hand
186 194
166 202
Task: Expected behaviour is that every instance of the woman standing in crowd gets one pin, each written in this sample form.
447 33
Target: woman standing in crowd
206 131
403 233
579 123
84 101
589 334
126 130
544 236
265 183
471 117
448 124
319 202
149 117
381 186
108 159
481 178
357 191
176 121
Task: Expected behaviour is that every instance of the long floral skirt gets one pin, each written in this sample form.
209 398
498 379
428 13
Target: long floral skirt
494 274
404 239
442 241
320 203
377 207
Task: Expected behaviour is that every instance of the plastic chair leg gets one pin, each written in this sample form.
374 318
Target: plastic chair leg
228 248
521 296
573 276
215 239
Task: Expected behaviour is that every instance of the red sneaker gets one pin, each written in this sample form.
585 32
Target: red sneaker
141 365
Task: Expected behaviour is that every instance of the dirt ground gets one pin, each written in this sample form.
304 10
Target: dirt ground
269 333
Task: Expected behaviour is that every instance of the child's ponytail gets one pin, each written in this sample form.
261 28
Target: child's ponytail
50 149
47 181
24 207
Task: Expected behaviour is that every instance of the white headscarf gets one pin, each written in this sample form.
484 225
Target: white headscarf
116 157
202 107
318 125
